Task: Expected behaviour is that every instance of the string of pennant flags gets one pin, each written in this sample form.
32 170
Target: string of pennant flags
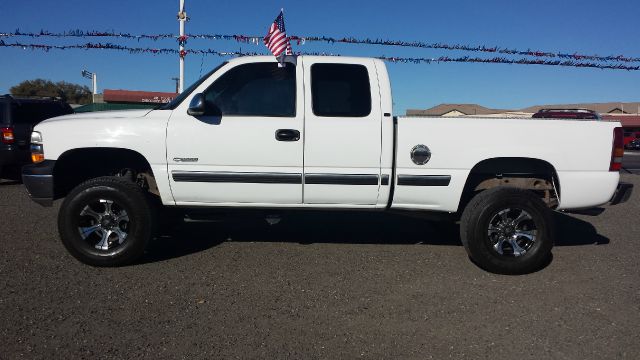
302 40
406 60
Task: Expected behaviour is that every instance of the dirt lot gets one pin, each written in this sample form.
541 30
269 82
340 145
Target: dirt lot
337 285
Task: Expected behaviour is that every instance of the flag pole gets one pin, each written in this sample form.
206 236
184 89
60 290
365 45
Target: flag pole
182 17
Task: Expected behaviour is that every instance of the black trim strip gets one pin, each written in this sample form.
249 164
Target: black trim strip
424 180
384 180
392 189
341 179
237 177
278 178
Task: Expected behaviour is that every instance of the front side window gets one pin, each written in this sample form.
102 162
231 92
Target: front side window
340 90
183 95
259 89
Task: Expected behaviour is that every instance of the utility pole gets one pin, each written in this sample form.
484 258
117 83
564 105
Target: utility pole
177 80
182 18
94 81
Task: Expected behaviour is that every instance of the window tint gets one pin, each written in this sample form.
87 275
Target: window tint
178 99
340 90
20 114
3 112
33 112
260 89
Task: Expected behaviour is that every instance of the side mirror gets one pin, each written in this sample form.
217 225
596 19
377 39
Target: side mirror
197 105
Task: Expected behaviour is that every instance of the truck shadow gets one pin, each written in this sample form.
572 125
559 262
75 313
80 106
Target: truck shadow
338 227
571 231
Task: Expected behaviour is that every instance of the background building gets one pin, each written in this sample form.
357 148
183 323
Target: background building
627 113
127 99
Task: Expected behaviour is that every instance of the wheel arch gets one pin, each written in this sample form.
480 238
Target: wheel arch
77 165
520 172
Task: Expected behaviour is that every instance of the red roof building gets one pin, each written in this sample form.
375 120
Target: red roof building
137 97
627 121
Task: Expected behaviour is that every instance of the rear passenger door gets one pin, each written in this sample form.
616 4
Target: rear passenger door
342 144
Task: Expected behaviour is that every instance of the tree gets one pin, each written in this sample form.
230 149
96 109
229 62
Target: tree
71 93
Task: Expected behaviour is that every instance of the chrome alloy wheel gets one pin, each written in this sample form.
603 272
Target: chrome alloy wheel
512 232
104 224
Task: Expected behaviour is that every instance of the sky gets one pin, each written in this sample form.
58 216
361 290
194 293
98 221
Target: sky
573 26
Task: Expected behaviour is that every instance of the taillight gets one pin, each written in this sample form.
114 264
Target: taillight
7 135
617 151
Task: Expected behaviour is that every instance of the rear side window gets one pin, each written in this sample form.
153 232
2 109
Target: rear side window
340 90
33 112
4 116
259 89
20 113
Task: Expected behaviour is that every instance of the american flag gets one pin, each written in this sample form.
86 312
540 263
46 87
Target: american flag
276 39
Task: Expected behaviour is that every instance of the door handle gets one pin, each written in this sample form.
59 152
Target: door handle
287 135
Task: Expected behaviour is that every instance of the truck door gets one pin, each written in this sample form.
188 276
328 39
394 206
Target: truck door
247 148
343 121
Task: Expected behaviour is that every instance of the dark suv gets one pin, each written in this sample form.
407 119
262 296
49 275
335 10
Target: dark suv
567 114
18 116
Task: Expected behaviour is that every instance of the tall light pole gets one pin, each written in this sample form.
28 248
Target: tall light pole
182 18
177 80
94 81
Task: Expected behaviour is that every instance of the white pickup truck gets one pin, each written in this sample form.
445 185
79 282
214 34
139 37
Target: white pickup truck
318 133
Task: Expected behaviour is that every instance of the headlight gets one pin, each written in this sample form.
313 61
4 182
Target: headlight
37 148
36 137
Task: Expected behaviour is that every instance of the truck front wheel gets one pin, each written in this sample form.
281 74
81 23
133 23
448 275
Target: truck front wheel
106 221
507 230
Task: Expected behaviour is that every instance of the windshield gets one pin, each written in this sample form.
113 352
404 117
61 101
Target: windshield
178 99
3 112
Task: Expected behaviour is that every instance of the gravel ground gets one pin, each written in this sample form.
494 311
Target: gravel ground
333 285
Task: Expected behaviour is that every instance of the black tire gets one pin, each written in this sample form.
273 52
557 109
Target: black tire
484 214
122 195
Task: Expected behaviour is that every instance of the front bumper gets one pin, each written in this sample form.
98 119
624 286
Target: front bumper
38 179
622 194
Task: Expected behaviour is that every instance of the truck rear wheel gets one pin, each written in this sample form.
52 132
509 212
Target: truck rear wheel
507 230
106 221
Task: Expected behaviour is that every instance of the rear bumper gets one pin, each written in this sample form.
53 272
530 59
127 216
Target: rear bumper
622 194
11 154
38 179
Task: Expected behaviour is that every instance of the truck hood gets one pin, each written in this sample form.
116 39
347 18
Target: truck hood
137 130
115 114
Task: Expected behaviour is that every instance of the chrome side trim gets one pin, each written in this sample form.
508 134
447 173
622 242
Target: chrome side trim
176 159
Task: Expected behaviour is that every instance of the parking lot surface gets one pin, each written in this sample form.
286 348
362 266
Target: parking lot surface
333 285
631 162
